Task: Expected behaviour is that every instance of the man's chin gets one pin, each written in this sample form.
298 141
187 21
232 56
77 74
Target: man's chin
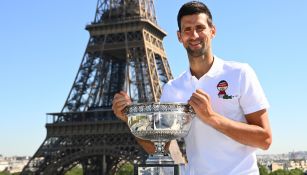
195 53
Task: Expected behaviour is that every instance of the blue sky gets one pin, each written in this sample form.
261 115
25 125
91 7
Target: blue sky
42 44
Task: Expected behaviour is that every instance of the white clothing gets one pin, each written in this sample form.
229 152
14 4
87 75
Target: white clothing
209 151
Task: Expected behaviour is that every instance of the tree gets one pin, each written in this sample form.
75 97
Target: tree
296 171
263 170
126 169
4 173
280 172
77 170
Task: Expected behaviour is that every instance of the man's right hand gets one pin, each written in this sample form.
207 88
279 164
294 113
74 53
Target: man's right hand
120 101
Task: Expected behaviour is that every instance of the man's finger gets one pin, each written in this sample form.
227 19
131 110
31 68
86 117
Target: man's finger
196 99
120 98
117 96
124 94
200 91
122 103
194 105
200 97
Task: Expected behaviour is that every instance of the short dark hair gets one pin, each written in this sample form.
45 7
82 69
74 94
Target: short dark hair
191 8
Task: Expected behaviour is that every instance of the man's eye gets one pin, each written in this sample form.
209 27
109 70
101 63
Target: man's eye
200 29
187 30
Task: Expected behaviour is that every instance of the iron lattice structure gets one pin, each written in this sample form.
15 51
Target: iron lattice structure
124 52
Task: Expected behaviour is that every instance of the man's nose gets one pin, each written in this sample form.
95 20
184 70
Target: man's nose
194 34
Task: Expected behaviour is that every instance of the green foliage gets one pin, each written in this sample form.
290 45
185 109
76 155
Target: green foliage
5 173
280 172
75 171
263 170
296 171
126 169
285 172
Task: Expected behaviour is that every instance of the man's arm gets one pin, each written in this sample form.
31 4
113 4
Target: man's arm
256 132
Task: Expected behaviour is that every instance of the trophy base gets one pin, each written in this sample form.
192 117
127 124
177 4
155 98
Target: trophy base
156 169
160 159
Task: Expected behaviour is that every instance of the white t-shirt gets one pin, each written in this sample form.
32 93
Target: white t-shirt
234 91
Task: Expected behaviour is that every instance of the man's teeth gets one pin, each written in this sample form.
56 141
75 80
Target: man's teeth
195 43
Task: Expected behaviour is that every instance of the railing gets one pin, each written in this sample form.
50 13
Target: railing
84 116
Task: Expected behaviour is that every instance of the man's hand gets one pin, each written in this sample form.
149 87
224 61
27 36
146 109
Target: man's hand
200 101
120 101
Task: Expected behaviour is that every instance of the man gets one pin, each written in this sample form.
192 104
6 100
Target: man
232 117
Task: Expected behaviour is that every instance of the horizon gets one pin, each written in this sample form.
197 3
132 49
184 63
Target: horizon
257 154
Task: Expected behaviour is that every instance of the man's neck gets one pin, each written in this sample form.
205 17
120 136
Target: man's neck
199 66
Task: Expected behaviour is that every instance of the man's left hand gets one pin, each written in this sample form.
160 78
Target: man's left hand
200 101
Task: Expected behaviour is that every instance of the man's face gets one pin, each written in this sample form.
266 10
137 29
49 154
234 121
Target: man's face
196 34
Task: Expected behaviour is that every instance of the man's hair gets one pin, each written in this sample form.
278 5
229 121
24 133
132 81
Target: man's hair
191 8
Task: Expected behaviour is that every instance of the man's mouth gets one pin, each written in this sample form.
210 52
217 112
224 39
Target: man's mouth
195 44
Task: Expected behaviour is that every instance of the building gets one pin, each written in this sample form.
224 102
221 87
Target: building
13 164
277 166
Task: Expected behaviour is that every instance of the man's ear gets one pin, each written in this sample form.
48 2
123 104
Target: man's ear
213 31
179 36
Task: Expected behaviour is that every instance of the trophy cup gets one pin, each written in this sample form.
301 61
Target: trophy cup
159 123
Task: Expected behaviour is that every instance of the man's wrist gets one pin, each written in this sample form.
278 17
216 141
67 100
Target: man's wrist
125 119
213 120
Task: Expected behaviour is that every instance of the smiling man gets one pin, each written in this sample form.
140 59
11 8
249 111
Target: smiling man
231 107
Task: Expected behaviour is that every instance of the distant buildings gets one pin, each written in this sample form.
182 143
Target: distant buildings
276 166
300 164
288 161
289 165
13 164
3 163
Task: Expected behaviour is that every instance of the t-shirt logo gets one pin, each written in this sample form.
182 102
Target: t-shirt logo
222 86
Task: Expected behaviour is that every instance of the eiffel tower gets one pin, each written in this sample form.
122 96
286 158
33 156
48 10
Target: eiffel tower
124 52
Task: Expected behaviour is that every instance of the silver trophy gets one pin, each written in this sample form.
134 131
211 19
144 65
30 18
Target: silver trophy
159 123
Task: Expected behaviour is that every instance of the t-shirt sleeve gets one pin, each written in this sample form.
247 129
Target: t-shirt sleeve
165 96
252 97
